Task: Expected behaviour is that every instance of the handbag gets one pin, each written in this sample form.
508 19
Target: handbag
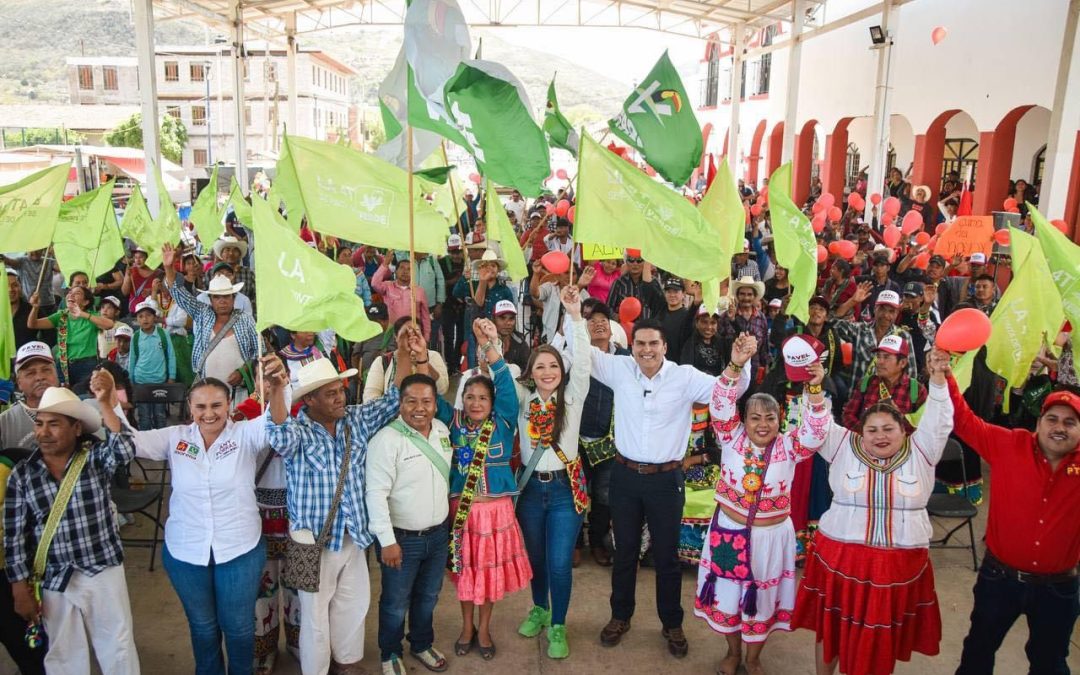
303 561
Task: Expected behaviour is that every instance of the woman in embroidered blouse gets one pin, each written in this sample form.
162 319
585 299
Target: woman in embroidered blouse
552 503
868 590
746 589
487 554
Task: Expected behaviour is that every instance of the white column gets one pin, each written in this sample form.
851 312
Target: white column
238 96
879 148
1061 139
791 103
739 38
290 67
143 16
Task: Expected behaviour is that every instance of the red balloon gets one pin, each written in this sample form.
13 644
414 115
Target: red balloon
891 236
818 207
1009 204
846 353
938 34
822 254
550 210
912 222
1002 237
562 208
628 328
828 200
629 309
818 222
887 219
922 238
932 244
475 177
853 199
570 213
835 214
755 210
1061 225
1015 209
845 248
922 261
555 262
963 331
891 205
875 199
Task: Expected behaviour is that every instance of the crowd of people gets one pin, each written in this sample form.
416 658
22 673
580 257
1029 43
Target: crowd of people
501 429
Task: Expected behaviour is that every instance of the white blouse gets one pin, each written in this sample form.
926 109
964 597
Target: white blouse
212 507
879 504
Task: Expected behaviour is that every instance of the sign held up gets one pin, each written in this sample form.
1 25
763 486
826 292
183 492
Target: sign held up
967 235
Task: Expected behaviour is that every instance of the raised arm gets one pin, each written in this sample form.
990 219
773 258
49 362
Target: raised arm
32 320
815 416
577 387
936 424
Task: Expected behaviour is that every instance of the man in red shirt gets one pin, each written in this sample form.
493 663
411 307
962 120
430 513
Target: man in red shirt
1032 534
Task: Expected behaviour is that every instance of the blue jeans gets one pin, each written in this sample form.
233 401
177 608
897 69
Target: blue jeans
549 524
412 589
152 416
1051 611
219 598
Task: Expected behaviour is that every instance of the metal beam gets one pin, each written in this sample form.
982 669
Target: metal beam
879 149
143 16
791 102
290 69
238 96
1061 137
736 94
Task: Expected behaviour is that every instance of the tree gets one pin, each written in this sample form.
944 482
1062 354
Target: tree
173 136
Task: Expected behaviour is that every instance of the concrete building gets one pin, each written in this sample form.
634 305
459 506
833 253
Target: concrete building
195 85
983 98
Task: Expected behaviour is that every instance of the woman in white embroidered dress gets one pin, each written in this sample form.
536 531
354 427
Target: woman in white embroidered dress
868 590
746 587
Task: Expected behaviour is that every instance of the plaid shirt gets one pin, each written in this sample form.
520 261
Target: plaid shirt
757 325
863 345
313 463
86 539
862 398
203 318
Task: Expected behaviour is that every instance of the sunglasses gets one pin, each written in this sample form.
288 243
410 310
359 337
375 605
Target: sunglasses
635 260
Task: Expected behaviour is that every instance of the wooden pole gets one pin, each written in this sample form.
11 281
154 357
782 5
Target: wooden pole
41 272
412 233
453 198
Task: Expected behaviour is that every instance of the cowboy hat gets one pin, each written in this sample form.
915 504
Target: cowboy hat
748 281
316 374
490 257
923 190
64 402
220 285
229 241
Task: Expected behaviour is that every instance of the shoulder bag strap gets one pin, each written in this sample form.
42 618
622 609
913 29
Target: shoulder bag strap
216 340
59 506
264 466
534 459
423 446
324 535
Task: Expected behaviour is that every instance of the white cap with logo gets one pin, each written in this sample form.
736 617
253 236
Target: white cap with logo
504 307
30 351
891 298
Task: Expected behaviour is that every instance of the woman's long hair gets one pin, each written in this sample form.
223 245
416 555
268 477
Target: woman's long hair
560 400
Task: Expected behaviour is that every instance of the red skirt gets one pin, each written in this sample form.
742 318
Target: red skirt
869 606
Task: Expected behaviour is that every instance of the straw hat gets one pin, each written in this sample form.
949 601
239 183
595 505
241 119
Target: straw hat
748 282
229 241
220 285
922 191
64 402
490 257
316 374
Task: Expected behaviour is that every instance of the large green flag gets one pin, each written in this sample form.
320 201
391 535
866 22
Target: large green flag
793 237
1063 260
492 110
7 335
500 229
1029 312
205 213
168 219
658 121
86 237
300 288
148 232
559 132
618 205
28 209
359 197
722 209
241 206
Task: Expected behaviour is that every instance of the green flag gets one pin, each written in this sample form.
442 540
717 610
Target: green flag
240 205
722 209
28 209
500 229
168 219
618 205
359 197
7 336
300 288
793 238
86 237
138 226
442 193
1029 312
1063 259
436 174
492 110
658 121
559 132
391 126
205 213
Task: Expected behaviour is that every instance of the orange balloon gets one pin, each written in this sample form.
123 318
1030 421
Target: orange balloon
835 214
755 210
922 261
550 210
891 206
1002 237
629 309
912 222
1015 209
932 244
922 238
938 34
818 207
1009 204
964 330
845 248
828 200
853 199
561 174
887 219
555 262
570 213
818 222
875 198
562 208
846 353
822 254
891 236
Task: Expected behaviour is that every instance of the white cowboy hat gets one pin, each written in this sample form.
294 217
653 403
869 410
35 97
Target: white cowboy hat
924 189
226 242
220 285
64 402
489 257
748 281
316 374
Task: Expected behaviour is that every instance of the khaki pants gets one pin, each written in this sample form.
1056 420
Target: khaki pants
332 620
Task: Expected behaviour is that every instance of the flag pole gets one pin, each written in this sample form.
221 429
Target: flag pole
41 272
453 195
412 234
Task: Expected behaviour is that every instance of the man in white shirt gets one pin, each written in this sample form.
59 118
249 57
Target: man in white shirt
653 399
408 474
516 205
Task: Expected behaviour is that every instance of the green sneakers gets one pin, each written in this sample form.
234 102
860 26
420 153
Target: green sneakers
557 647
538 619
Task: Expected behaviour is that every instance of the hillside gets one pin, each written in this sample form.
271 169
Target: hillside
38 34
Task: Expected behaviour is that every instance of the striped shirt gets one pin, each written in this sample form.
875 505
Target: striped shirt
313 462
203 318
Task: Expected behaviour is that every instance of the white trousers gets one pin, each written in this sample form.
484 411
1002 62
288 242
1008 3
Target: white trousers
98 604
332 620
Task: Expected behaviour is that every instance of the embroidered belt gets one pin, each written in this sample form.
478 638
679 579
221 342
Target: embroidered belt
643 468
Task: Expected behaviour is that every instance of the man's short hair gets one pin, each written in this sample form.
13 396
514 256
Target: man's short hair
602 309
418 378
647 324
986 277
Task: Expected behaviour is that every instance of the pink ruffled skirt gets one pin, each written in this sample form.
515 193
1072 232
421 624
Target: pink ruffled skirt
493 556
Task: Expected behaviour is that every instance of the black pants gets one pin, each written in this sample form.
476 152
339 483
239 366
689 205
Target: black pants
656 499
1051 611
13 633
600 512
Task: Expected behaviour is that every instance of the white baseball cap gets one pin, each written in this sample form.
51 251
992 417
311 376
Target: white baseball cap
147 304
112 300
893 344
776 302
30 351
122 330
504 307
453 242
890 298
978 258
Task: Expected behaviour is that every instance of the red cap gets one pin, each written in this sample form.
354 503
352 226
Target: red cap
1066 398
633 252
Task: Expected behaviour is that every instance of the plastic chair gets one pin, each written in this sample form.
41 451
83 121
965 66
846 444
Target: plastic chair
955 506
146 500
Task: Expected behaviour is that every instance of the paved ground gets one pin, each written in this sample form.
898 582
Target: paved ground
162 637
